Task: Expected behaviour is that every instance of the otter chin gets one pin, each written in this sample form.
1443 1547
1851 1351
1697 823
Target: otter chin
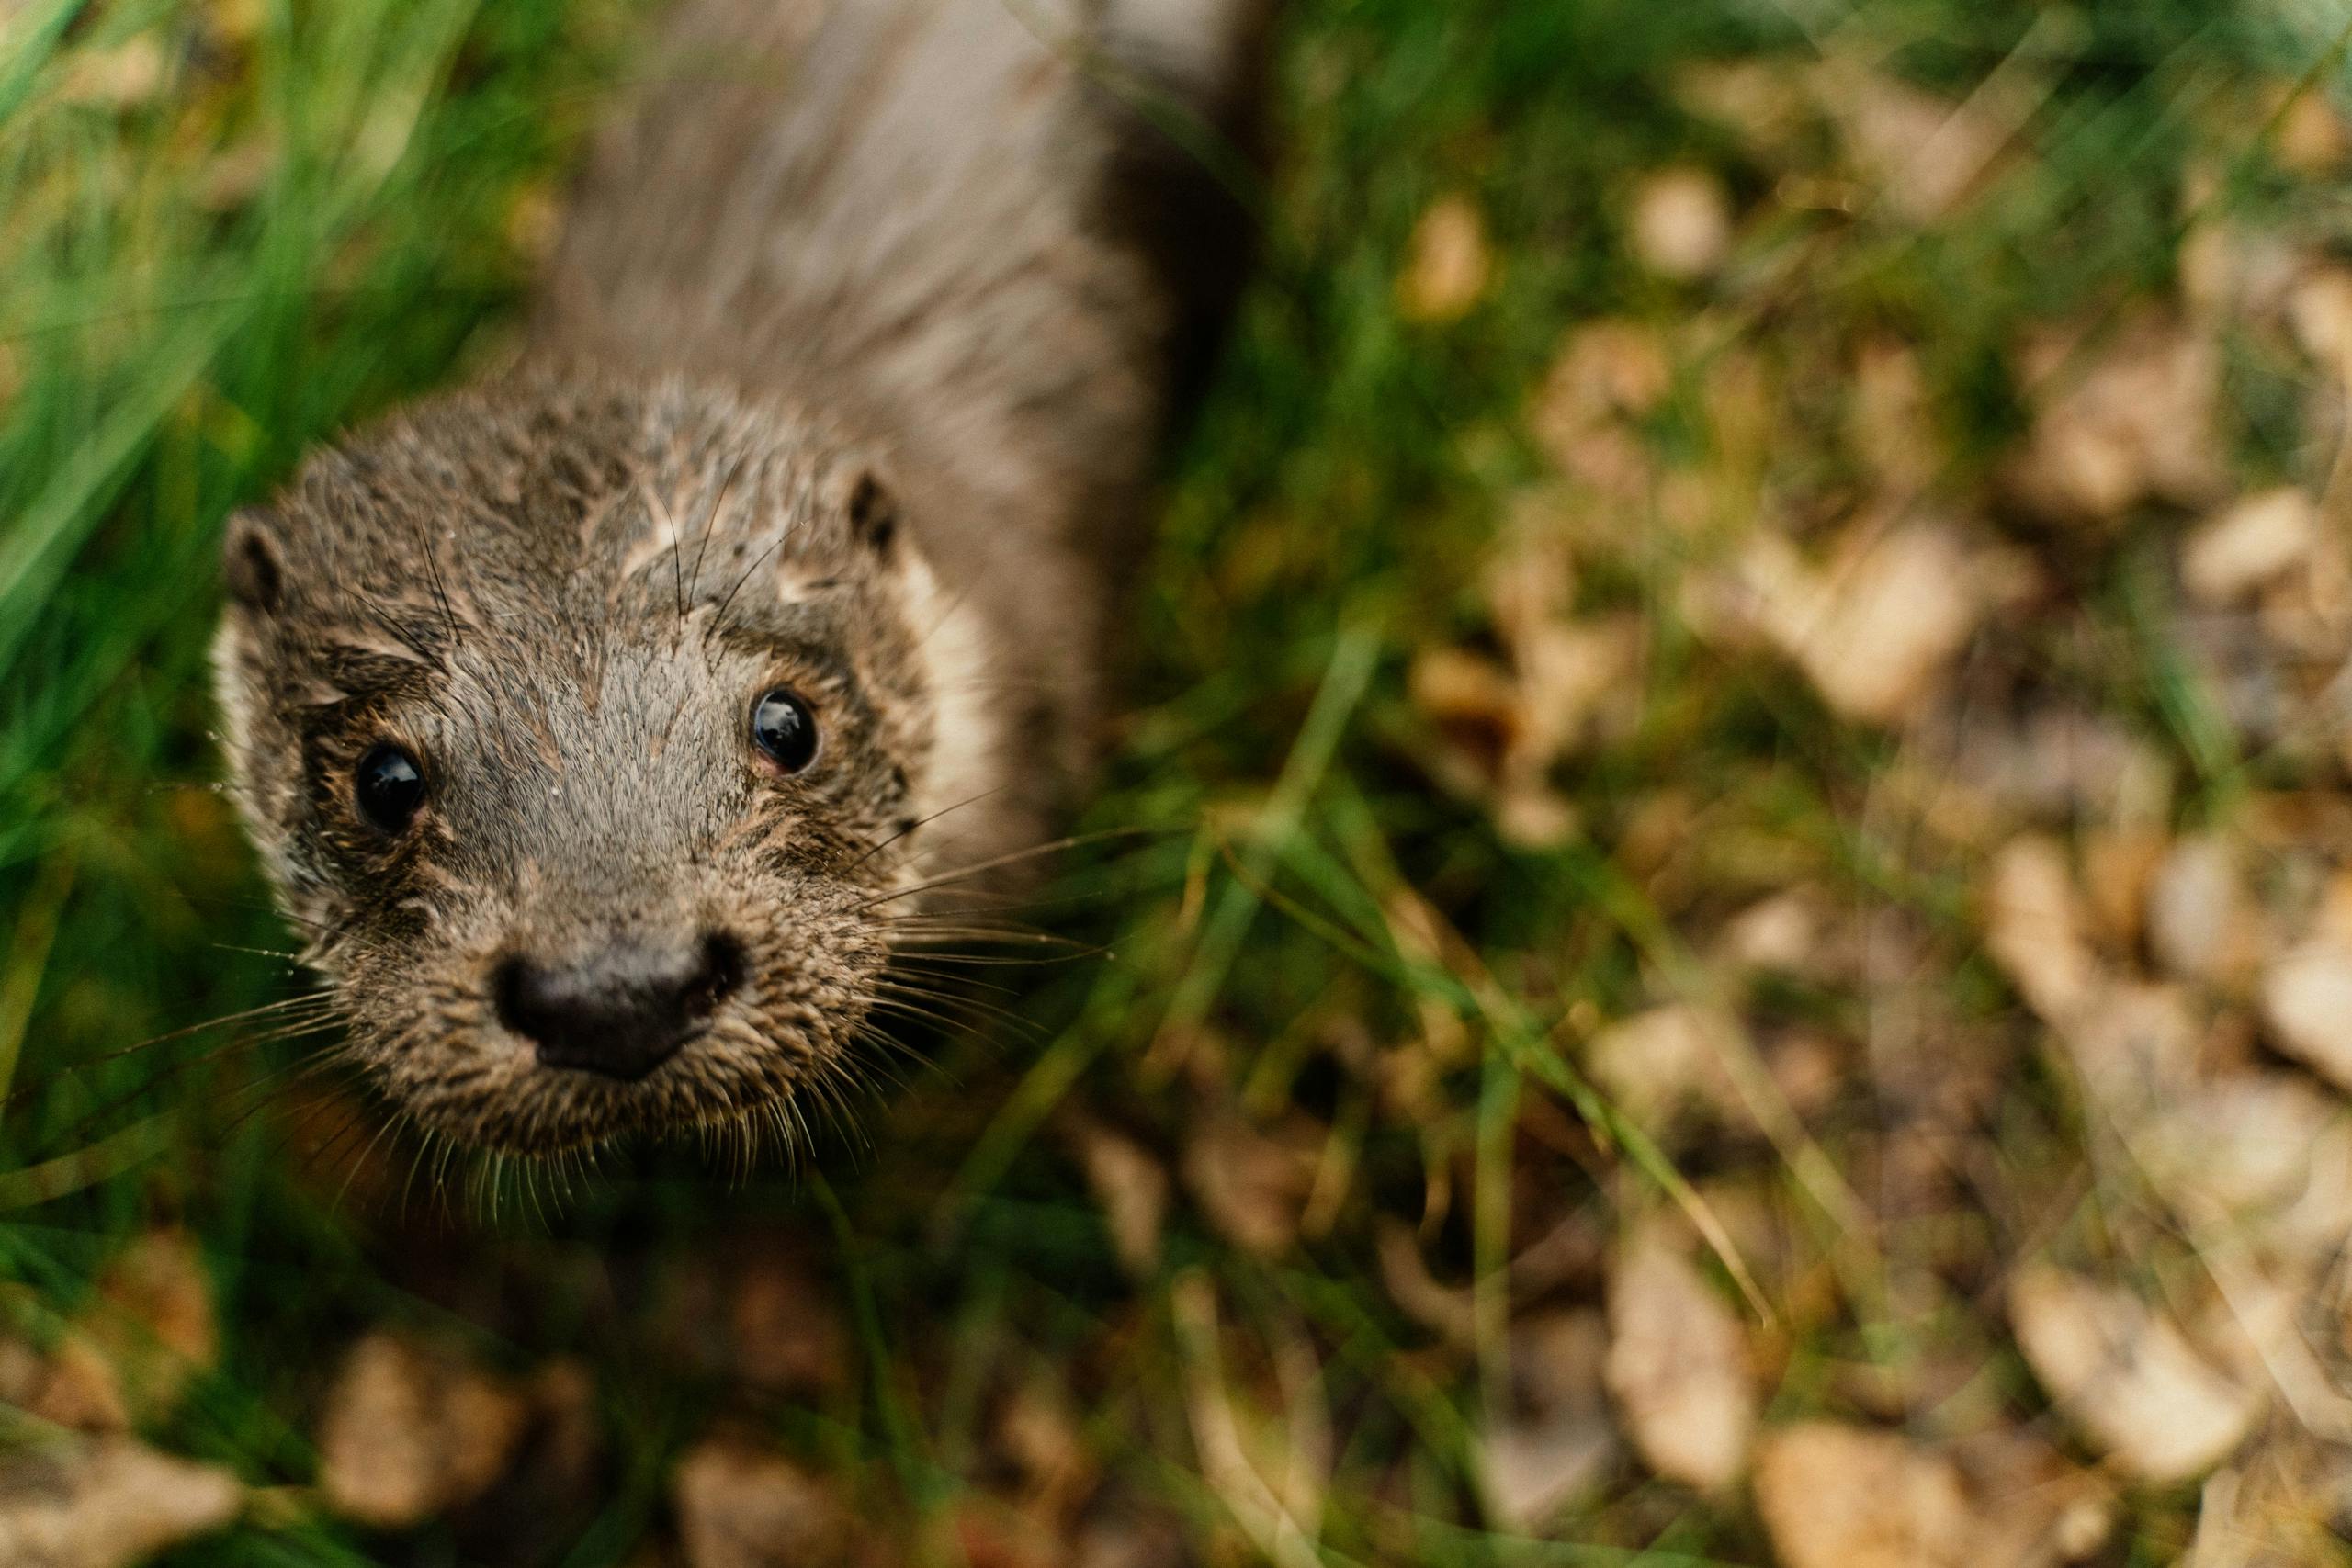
601 743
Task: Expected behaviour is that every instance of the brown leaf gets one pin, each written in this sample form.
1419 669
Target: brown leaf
1876 629
1132 1187
1607 374
2319 310
123 77
2248 544
2307 1005
1652 1065
129 1355
1763 101
411 1430
1780 933
1038 1430
1923 155
1678 1365
742 1508
1837 1497
1558 1440
1535 1469
1443 1309
1889 417
1681 223
1449 263
107 1503
2126 1377
2034 927
2312 139
2200 923
1252 1186
2136 1046
2130 421
2237 1147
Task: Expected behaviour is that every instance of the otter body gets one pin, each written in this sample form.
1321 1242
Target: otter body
607 726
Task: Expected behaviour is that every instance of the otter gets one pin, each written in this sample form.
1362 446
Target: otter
606 726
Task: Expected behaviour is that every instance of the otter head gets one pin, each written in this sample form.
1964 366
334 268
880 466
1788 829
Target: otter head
600 742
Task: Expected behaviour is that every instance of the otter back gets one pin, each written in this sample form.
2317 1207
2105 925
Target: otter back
942 224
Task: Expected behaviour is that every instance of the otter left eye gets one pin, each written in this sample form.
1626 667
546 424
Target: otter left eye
783 726
389 787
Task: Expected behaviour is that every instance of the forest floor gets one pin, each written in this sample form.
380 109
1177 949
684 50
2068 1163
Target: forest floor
1741 946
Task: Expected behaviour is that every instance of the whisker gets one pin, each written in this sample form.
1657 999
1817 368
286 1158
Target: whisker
919 822
1015 857
710 523
322 1001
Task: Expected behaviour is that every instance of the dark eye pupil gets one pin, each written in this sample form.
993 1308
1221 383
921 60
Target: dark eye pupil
389 787
783 726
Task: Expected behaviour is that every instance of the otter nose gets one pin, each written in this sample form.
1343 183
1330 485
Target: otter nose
621 1012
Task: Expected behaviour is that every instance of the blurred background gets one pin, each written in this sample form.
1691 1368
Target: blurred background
1743 952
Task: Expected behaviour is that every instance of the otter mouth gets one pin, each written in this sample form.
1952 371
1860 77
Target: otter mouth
547 1054
723 1075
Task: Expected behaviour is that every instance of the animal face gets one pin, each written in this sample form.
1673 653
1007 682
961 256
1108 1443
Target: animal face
594 739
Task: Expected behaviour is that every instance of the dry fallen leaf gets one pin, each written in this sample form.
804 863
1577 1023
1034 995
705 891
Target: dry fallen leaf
1681 223
1449 263
1506 725
2307 1003
740 1507
2126 1377
2034 1507
2034 927
1132 1187
123 77
411 1430
1875 631
2312 139
1656 1063
2248 544
2130 420
1558 1441
1607 374
1782 931
1925 155
1252 1184
1764 101
2197 914
2135 1048
126 1357
1678 1365
1837 1497
2319 310
107 1503
2236 1148
1442 1308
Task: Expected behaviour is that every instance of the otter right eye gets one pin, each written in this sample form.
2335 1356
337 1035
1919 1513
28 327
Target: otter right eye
389 787
783 726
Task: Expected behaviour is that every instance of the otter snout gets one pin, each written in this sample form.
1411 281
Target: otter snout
620 1012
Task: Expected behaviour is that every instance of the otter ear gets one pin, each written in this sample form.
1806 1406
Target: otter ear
252 560
874 512
868 504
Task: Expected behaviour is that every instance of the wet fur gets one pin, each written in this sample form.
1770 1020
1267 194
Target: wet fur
845 382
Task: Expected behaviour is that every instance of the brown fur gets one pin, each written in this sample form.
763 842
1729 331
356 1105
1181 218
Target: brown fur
843 382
